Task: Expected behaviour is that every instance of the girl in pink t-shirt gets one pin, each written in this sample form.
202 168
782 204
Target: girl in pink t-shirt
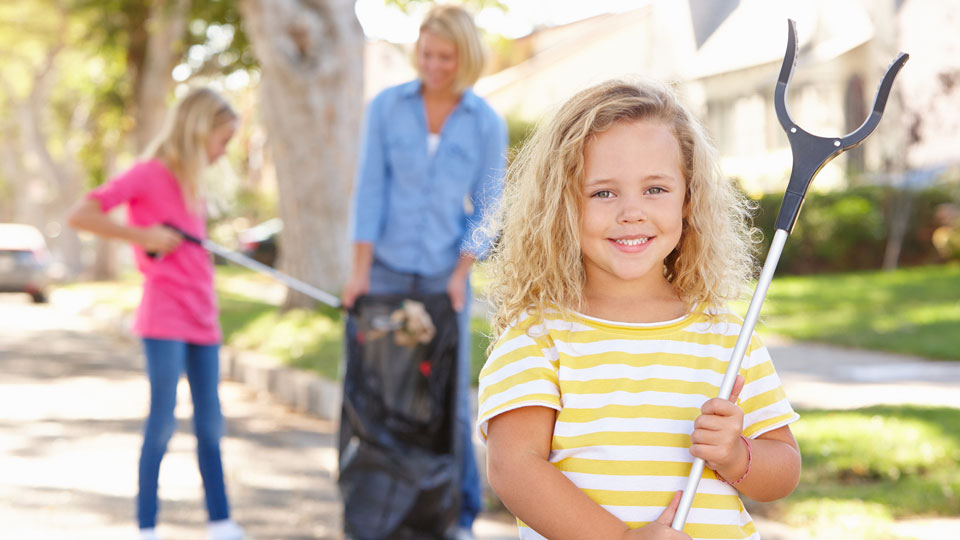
177 317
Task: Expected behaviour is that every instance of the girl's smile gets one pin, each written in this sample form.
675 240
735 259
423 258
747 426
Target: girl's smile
631 244
634 193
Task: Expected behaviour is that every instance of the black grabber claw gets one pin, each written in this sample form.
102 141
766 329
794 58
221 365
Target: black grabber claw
810 152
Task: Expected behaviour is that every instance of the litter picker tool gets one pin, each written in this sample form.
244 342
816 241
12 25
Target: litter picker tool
257 266
810 154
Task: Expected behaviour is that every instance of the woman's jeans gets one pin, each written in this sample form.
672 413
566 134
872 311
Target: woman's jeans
166 361
384 280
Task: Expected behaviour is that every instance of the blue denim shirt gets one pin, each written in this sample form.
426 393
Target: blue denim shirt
420 211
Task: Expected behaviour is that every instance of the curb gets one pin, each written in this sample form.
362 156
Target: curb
301 390
298 389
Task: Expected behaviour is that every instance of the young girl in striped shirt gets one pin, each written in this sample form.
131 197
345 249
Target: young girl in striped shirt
620 244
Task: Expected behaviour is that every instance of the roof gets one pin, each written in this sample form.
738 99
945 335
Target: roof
755 33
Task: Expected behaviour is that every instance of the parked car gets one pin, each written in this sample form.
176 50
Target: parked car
260 242
24 261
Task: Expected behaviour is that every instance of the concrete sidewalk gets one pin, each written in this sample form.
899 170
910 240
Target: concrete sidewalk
314 399
817 376
813 375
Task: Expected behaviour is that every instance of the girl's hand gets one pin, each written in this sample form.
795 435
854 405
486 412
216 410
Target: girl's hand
660 529
716 435
158 239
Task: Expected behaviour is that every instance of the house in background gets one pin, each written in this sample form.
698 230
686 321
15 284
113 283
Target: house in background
653 40
843 52
724 56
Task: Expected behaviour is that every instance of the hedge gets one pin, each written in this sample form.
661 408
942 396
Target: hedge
848 230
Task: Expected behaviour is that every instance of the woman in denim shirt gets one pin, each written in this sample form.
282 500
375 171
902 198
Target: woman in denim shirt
431 162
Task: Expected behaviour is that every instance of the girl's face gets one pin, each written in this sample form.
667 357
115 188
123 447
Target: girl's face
633 200
437 60
218 139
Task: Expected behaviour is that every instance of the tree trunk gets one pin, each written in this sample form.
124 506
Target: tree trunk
311 53
899 220
162 47
165 29
64 175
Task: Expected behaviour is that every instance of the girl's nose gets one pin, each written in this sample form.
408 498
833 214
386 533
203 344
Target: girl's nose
631 211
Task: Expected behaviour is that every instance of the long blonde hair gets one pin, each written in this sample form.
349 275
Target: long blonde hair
537 265
182 143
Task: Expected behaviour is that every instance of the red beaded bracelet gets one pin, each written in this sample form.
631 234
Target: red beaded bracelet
746 472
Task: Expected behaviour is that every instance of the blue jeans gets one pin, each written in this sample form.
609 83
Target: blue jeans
385 280
166 361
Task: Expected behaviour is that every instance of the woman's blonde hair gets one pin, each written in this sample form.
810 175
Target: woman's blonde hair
454 24
182 143
537 265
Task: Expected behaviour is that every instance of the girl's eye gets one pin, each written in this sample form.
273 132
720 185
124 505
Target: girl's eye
656 190
603 194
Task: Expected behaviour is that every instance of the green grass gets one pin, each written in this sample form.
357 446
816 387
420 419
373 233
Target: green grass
301 338
862 469
251 320
912 311
480 331
308 339
122 294
865 468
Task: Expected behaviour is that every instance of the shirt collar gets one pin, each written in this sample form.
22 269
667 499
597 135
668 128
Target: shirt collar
468 100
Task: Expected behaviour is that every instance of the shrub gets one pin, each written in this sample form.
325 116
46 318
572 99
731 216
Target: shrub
848 230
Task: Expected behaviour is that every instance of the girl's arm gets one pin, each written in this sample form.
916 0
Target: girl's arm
518 448
775 468
86 215
773 458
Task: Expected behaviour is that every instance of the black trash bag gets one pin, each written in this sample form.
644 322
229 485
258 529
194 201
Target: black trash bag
399 453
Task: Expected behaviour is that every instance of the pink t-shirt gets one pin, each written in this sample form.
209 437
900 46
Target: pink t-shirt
178 300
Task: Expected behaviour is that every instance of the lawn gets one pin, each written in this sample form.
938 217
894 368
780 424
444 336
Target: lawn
862 469
865 468
308 339
911 311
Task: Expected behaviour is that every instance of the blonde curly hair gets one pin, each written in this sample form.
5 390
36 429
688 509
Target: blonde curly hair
536 264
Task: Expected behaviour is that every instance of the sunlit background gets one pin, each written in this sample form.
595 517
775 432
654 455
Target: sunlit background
871 266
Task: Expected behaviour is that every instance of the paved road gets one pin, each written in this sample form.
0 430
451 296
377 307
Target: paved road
71 406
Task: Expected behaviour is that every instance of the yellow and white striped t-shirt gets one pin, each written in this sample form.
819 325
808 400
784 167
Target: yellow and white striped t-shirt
627 396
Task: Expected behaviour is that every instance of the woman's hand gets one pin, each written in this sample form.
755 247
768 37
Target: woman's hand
716 435
457 285
356 286
457 289
157 239
660 529
359 282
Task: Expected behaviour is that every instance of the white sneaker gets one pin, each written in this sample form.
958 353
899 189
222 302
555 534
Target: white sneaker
149 534
464 533
224 529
